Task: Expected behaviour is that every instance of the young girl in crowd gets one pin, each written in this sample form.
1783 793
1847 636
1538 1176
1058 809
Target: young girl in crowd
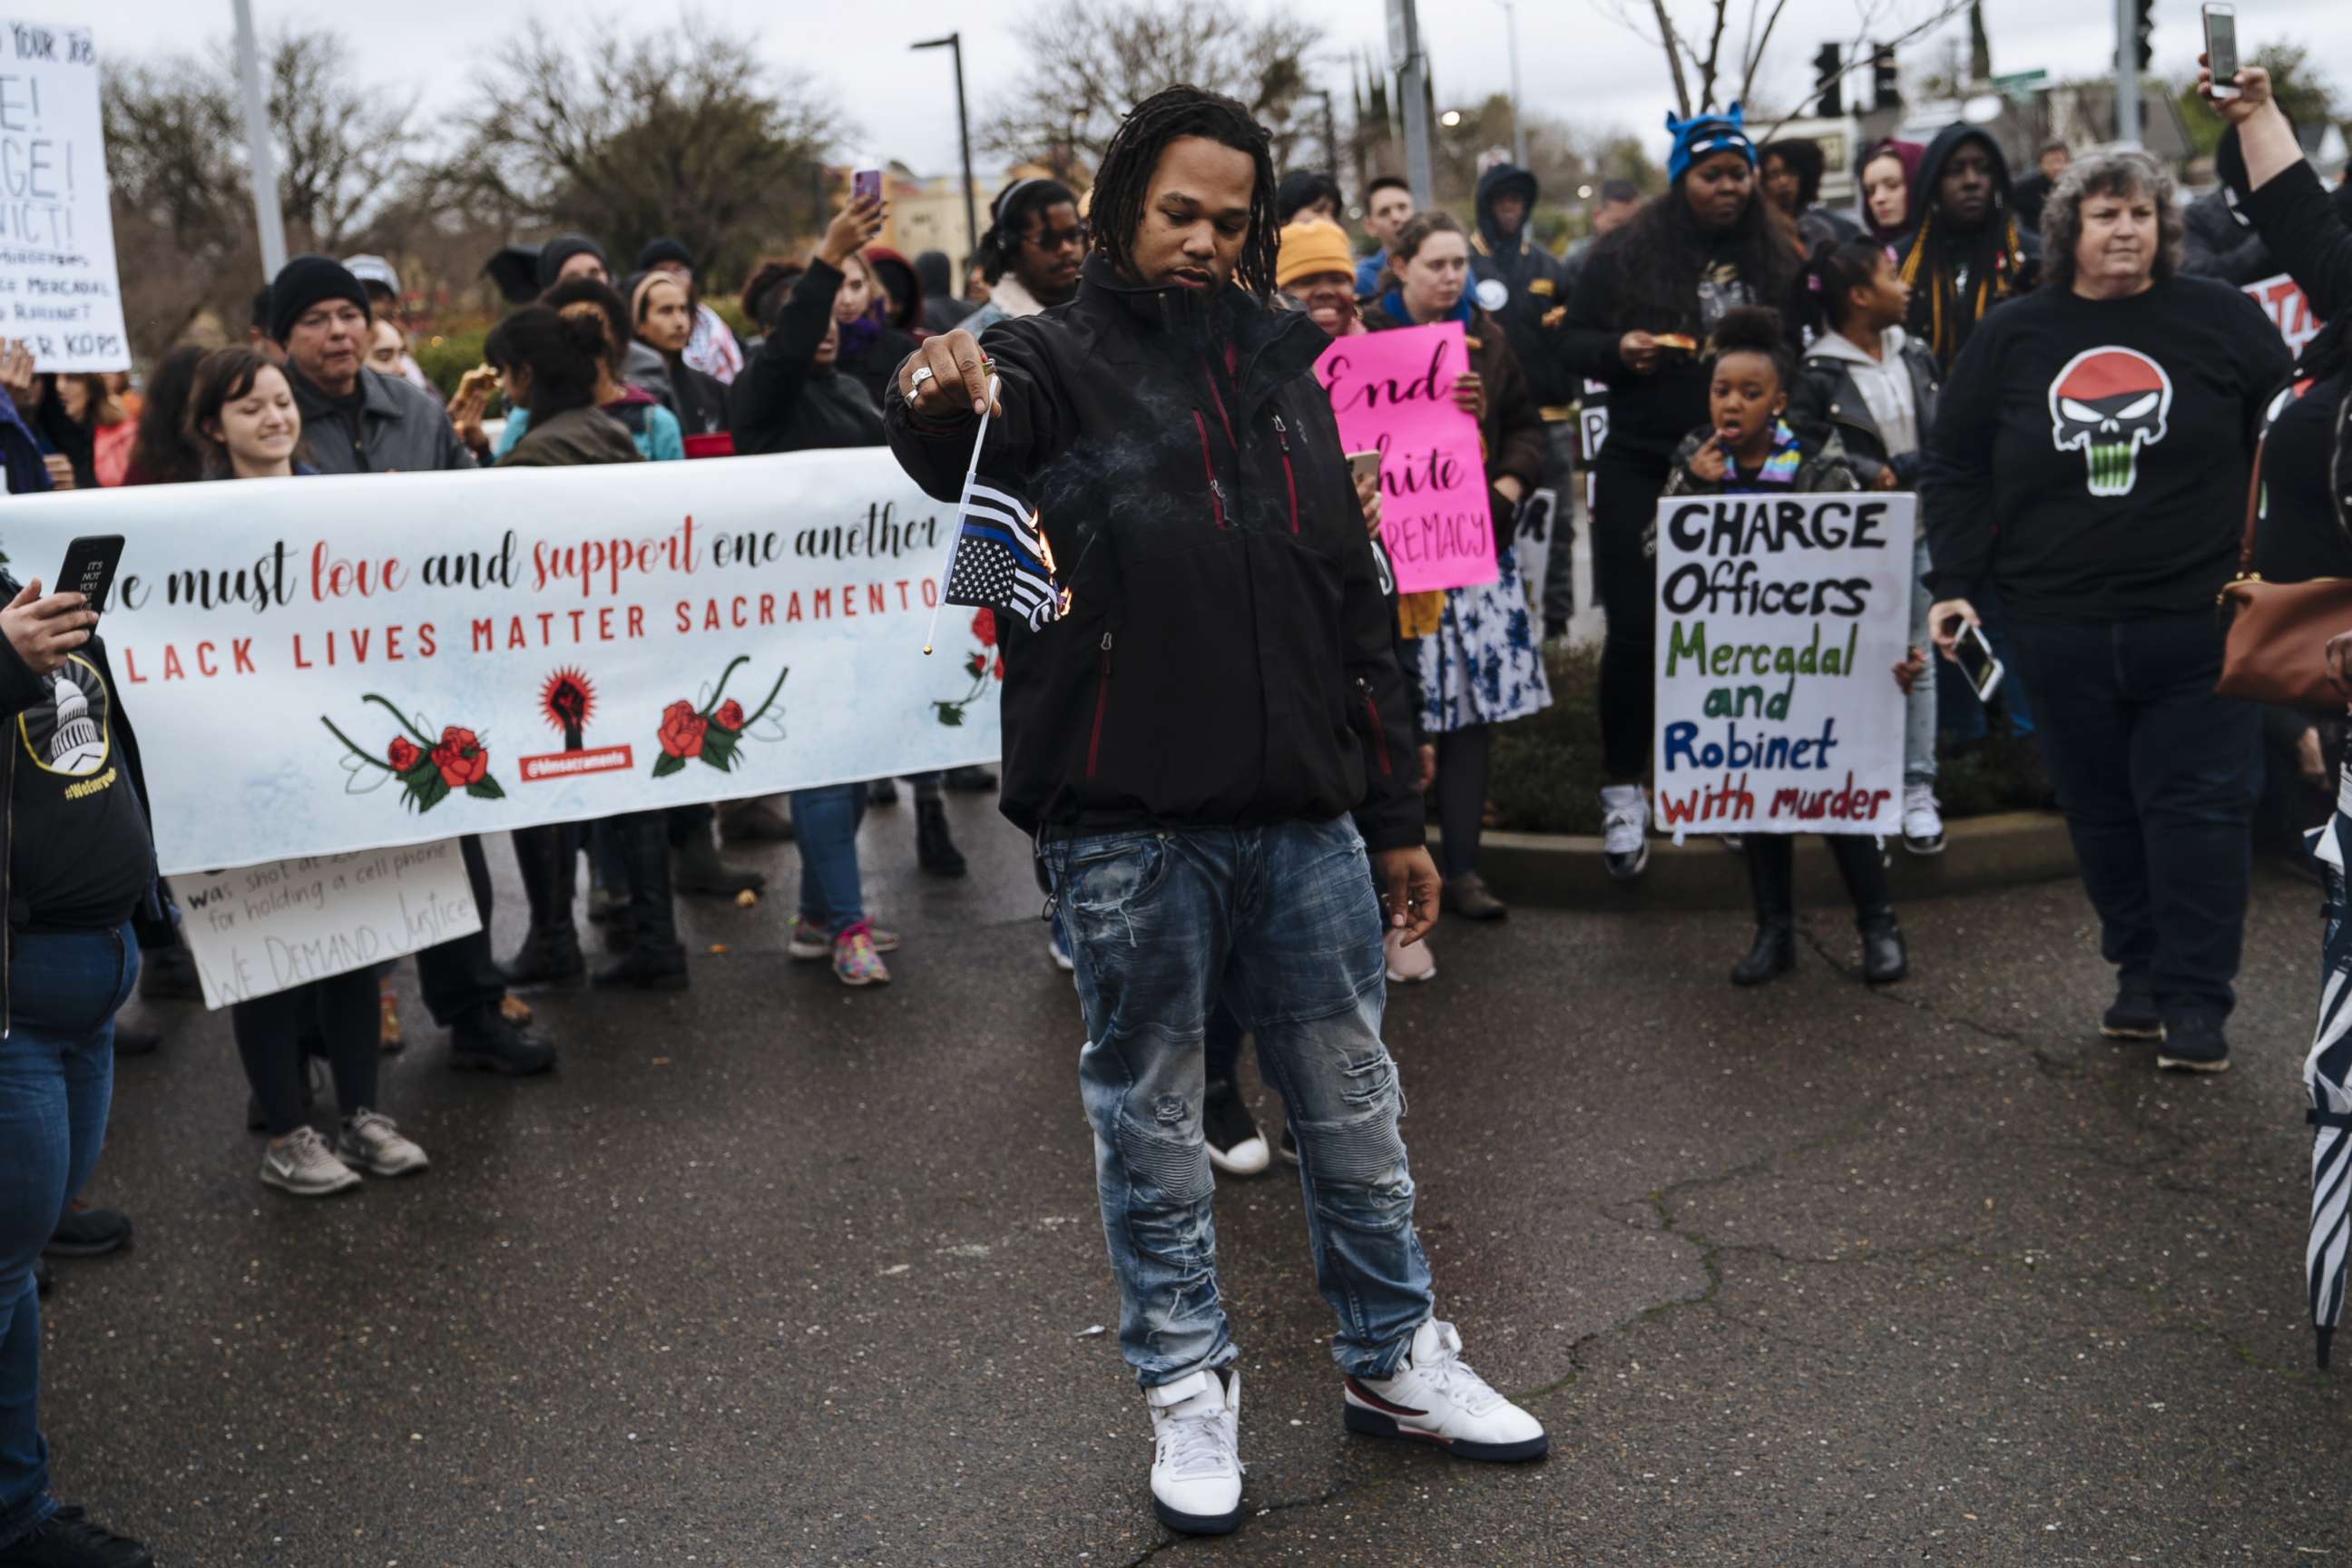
1479 666
1874 388
661 310
1745 449
652 428
242 412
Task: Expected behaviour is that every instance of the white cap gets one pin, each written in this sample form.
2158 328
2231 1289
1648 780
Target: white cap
374 270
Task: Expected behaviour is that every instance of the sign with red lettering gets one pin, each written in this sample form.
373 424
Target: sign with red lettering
2289 309
1393 393
366 661
1781 620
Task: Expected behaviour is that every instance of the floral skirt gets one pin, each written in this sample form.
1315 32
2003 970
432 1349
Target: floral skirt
1481 666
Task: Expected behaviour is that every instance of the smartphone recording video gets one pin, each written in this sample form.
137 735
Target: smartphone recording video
2221 46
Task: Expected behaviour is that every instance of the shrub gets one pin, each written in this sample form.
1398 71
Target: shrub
447 356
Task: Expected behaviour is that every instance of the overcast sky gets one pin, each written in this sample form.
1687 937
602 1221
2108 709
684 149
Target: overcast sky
1575 63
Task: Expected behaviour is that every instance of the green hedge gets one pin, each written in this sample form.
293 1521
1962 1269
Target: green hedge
1548 774
447 356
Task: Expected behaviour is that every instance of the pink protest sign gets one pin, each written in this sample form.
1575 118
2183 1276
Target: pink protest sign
1393 393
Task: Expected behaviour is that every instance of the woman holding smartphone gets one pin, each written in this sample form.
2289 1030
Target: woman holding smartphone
242 411
2107 421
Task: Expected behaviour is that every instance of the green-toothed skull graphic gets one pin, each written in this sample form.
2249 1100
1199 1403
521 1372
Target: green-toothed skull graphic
2108 403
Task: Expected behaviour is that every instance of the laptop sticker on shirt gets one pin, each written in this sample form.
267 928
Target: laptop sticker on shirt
68 731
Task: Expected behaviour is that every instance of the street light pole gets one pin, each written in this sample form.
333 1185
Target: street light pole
1413 84
1518 113
2127 128
261 156
953 41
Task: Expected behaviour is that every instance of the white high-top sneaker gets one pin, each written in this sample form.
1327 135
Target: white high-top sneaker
1437 1397
1625 830
1196 1457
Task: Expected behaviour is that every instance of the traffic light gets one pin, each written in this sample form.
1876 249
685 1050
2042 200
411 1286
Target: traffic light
2143 31
1885 91
1829 82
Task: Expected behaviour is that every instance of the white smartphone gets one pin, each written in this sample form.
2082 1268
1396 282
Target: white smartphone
1979 662
2221 46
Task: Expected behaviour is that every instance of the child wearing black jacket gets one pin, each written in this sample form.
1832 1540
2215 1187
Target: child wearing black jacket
1747 447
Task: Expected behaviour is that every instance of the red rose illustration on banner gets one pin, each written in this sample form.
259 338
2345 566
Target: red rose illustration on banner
983 666
713 732
682 731
429 769
460 758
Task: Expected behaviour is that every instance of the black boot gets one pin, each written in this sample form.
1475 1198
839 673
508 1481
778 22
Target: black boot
700 871
549 860
1771 877
655 960
935 851
1883 960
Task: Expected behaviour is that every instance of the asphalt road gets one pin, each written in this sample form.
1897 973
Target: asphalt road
775 1273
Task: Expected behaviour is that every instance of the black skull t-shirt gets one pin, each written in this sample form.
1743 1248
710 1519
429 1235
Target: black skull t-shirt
2116 434
78 855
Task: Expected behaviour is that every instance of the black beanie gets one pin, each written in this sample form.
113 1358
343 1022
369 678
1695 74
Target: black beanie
657 251
562 249
301 283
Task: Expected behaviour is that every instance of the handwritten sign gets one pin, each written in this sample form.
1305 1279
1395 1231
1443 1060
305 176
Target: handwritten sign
2289 311
1781 620
57 290
270 928
1393 393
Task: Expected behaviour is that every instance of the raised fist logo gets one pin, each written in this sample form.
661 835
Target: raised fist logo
2108 404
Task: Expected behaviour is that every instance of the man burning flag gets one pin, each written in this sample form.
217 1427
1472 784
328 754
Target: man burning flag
998 560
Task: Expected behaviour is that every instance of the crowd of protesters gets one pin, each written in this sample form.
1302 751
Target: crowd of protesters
2066 354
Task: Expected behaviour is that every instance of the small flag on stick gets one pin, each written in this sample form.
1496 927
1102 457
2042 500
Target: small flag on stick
996 559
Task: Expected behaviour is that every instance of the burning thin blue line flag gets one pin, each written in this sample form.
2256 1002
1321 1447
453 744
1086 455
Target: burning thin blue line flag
997 564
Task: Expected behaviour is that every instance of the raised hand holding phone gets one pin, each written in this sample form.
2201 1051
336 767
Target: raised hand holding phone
2221 49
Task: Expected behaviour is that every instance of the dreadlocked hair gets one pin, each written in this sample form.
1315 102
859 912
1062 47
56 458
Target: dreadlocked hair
1995 263
1125 178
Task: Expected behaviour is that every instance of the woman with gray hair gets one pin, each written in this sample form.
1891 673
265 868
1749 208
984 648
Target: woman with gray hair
2107 421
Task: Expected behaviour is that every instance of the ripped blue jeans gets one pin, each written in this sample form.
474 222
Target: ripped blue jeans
1282 923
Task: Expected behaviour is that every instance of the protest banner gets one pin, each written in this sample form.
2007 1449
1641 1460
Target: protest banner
57 234
1393 393
2289 309
319 665
272 927
1781 620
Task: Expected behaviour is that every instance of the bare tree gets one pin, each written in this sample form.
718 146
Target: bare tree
181 187
681 132
1693 34
1089 64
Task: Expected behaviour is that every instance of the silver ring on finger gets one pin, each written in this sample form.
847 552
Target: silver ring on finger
915 382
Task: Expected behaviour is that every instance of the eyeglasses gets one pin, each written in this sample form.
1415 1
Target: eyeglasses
1059 238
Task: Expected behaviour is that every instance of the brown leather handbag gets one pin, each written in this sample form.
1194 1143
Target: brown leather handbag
2276 632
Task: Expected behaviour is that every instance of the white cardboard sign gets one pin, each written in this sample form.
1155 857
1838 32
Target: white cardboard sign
58 292
1781 620
269 928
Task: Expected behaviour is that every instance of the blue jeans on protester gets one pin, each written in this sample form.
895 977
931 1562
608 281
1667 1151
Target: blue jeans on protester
825 826
2158 776
1280 923
57 1076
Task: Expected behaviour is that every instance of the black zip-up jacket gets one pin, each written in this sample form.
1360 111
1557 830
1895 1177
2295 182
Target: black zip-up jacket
784 401
20 688
1828 401
1226 658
